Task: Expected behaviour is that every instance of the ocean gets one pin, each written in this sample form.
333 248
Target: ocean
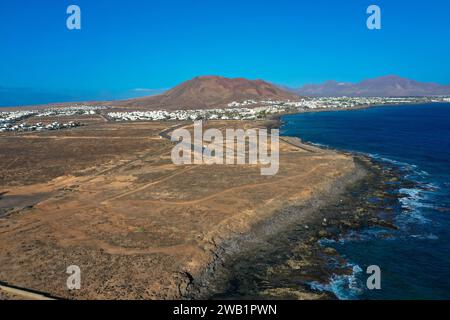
415 140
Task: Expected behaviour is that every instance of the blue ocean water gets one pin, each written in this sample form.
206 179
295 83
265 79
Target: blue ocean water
415 139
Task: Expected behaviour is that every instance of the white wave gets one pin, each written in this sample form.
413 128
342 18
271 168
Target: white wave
401 164
414 201
344 287
429 236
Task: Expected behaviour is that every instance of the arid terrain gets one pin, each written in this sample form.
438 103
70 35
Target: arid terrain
107 198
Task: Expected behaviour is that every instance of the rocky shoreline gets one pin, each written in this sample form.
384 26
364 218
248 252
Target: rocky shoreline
280 257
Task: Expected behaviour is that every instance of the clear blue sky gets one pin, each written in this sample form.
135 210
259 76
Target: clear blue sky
125 45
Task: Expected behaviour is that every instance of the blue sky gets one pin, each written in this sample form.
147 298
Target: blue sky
153 45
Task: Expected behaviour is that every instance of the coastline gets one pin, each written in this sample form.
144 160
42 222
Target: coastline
214 279
412 249
228 258
278 122
189 240
317 219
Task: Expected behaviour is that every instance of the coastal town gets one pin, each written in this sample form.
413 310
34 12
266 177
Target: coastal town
14 121
40 126
253 110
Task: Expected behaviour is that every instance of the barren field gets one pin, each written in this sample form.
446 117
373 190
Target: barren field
106 197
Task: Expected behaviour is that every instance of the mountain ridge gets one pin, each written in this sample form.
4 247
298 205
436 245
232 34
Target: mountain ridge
208 92
387 86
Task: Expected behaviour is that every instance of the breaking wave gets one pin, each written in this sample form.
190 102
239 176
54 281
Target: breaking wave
344 287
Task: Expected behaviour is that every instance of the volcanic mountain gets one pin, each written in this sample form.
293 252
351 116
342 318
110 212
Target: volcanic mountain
388 86
210 92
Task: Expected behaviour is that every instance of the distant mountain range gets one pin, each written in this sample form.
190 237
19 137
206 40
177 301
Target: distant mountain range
210 92
388 86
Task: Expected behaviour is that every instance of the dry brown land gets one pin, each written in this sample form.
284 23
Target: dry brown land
106 197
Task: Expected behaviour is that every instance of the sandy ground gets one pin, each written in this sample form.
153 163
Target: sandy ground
107 198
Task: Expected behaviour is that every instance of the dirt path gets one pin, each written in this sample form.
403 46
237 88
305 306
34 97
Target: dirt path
22 294
242 187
